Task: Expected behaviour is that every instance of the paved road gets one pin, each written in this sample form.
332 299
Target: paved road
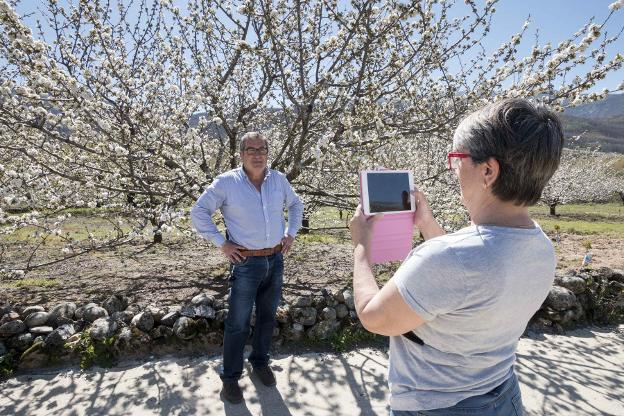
581 373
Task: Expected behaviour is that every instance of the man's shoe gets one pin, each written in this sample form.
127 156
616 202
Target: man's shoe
232 392
265 375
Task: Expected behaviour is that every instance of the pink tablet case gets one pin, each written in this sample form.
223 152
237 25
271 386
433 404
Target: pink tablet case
392 236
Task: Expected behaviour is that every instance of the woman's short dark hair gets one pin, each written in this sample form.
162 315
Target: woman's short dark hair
526 140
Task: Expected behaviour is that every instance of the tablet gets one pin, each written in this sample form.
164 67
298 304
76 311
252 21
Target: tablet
387 191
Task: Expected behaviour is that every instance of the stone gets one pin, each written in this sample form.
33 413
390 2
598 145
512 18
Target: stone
349 300
617 275
58 337
143 321
20 342
62 320
203 299
62 310
304 316
157 313
184 328
571 315
79 314
32 309
113 304
188 311
161 331
323 330
125 335
204 311
34 357
41 330
353 315
328 314
92 312
133 308
294 332
560 298
575 284
123 316
331 301
220 304
12 328
3 349
170 318
102 328
540 325
282 315
81 324
202 326
302 302
339 297
341 310
36 319
319 302
214 338
9 316
221 315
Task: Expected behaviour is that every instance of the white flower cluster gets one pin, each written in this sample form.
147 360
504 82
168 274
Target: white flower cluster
138 123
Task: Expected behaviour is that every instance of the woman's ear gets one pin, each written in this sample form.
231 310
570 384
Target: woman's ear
491 169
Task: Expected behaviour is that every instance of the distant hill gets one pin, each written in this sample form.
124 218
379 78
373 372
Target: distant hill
612 106
598 124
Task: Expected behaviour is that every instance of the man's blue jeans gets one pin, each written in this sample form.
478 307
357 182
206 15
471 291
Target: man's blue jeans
504 400
254 280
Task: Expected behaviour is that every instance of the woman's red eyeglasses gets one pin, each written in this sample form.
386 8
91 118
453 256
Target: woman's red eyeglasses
454 158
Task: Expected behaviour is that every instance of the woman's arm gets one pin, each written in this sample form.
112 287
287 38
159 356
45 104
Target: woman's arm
380 311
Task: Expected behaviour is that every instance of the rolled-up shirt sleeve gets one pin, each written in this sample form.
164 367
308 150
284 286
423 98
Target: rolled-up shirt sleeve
201 213
295 210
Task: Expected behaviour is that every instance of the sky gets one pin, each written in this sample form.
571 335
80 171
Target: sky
554 19
557 20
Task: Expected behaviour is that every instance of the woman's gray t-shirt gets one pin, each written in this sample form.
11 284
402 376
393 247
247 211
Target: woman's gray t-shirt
476 289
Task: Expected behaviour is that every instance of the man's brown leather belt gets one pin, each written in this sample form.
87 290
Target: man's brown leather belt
261 252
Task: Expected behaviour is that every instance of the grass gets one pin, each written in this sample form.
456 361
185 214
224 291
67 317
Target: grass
611 209
353 337
583 219
40 282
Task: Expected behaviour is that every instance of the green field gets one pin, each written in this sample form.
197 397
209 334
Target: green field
328 227
583 219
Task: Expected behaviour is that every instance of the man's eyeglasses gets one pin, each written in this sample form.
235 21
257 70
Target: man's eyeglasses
454 158
257 150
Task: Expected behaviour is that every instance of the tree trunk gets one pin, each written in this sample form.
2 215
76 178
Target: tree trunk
552 209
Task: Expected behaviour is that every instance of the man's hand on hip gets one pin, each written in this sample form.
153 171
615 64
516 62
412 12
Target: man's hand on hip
232 251
287 242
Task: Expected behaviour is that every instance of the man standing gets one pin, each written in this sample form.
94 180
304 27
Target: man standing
251 199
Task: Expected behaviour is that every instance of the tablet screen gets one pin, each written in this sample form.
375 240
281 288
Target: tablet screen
388 192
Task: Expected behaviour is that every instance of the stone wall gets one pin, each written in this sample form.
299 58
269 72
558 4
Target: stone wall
32 337
582 297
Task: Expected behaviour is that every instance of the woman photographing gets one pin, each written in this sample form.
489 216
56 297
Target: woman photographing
463 299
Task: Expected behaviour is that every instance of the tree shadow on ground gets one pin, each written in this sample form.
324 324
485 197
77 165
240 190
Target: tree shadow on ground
577 374
313 384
